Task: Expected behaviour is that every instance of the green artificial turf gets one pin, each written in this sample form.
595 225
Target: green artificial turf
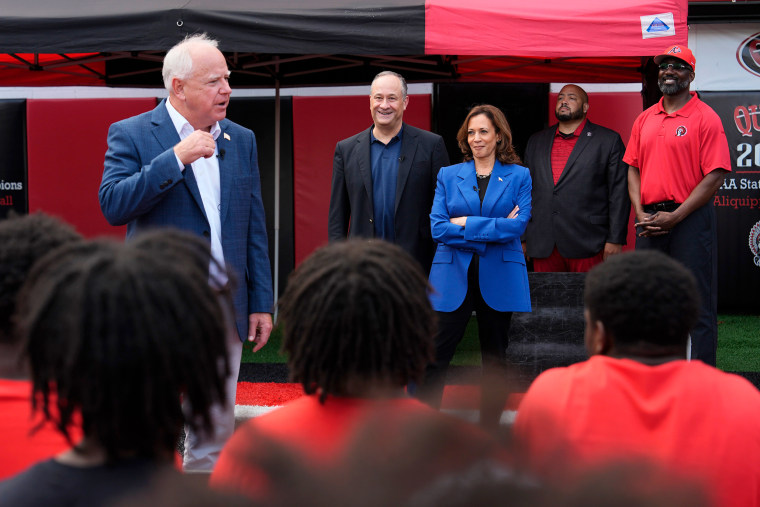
739 342
738 345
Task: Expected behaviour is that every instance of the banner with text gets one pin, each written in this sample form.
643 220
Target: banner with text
737 203
13 192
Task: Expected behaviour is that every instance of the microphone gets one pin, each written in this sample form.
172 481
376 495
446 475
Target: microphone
475 188
221 154
401 158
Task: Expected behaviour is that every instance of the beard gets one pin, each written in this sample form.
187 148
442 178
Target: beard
569 116
672 89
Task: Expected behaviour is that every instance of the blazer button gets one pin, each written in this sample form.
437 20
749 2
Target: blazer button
206 234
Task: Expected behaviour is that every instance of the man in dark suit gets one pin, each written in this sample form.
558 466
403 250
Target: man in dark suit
580 191
184 165
384 177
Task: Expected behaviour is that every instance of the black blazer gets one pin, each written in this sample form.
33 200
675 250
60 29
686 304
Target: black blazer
589 206
351 208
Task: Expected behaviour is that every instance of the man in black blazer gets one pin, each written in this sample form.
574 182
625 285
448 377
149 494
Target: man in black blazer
384 177
580 190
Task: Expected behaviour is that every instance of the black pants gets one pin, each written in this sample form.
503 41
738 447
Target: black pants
493 332
693 242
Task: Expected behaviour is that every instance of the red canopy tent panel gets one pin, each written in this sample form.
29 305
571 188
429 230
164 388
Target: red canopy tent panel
553 28
557 70
28 69
318 124
66 144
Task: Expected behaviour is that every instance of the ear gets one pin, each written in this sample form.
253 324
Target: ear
597 341
406 103
585 108
178 88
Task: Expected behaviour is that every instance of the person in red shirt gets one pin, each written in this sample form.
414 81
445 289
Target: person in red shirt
24 437
357 327
116 334
637 399
580 191
678 157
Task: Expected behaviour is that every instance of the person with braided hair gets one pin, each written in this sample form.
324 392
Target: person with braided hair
357 328
117 333
23 440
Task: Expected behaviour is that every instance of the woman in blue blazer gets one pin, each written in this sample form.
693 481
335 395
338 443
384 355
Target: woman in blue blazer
480 210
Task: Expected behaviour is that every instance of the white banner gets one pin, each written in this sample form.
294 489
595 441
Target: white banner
728 56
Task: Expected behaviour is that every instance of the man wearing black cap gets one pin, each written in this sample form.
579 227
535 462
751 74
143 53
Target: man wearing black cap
678 157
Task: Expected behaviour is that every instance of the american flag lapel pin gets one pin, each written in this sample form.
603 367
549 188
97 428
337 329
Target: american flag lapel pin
500 179
227 136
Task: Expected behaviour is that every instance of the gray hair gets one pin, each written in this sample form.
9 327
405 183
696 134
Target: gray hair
391 73
178 62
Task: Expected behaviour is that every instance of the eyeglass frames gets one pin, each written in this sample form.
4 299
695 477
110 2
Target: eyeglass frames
675 66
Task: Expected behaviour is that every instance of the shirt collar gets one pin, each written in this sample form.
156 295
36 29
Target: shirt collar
576 132
398 136
183 127
684 111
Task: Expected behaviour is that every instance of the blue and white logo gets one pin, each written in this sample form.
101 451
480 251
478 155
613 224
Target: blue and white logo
658 25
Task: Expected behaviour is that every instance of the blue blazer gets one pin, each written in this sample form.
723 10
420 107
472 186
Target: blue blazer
487 233
144 188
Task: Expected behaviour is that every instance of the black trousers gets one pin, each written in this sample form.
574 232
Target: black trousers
693 242
493 333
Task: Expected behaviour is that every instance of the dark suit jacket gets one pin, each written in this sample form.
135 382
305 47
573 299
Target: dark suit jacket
352 212
143 187
589 206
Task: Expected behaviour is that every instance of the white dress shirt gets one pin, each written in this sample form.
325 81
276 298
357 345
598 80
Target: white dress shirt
206 172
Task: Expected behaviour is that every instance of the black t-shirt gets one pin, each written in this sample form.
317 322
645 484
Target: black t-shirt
51 483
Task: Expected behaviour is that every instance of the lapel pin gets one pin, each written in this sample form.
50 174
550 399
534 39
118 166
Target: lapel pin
500 179
588 134
227 136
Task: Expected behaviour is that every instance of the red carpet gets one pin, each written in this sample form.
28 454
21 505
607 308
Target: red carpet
270 394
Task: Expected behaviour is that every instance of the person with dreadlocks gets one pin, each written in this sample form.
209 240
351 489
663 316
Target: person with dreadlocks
117 333
23 440
357 328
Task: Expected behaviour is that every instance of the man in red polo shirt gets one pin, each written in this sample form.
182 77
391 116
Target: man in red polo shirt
678 157
580 193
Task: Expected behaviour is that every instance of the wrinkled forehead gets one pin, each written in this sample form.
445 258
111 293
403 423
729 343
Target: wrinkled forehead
208 62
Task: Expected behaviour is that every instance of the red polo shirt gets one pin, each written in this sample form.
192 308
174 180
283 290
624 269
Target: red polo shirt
561 149
675 151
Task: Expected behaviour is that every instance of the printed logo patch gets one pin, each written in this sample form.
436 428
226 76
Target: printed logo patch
748 54
658 25
681 131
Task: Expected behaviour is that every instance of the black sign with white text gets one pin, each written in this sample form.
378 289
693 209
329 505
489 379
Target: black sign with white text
737 203
13 173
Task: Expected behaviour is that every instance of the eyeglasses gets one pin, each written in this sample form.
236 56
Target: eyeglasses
674 66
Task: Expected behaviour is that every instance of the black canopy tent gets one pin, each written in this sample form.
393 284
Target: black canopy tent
324 42
329 42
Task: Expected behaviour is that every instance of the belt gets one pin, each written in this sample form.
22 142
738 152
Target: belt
668 206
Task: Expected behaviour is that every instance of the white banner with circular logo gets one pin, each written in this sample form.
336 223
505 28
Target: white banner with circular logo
728 56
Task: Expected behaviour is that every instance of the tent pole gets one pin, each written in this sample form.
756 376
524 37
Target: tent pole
276 277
